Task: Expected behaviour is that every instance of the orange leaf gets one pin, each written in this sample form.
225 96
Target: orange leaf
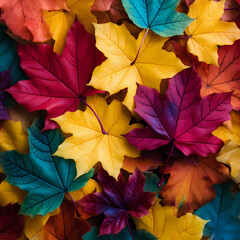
191 182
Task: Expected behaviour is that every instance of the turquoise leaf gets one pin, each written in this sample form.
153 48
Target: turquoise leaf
9 57
223 212
158 15
46 178
124 234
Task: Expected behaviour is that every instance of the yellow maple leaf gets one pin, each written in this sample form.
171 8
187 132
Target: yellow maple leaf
120 47
60 21
164 224
208 31
88 144
230 152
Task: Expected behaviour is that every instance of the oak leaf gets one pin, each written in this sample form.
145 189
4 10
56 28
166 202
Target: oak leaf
117 73
29 17
208 31
163 223
88 144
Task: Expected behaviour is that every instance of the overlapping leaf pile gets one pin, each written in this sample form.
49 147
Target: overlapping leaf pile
119 119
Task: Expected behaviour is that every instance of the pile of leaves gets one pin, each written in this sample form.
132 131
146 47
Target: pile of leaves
119 119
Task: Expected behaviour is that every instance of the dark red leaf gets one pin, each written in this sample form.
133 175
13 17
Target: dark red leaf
182 118
57 82
118 199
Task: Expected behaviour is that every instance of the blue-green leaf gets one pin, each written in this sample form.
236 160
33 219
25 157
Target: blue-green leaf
46 178
158 15
123 235
9 57
223 211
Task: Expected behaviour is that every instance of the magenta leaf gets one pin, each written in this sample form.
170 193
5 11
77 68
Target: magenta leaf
57 83
182 118
118 199
5 82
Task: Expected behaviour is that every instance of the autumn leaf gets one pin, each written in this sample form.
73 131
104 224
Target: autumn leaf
69 73
65 226
118 199
11 226
163 223
223 211
182 118
208 31
88 144
191 182
224 78
29 16
45 178
61 21
117 73
230 152
113 8
160 16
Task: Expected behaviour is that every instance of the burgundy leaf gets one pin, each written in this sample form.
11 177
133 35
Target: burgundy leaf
11 224
57 83
118 199
182 118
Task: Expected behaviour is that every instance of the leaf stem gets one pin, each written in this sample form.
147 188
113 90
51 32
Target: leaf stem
103 131
232 8
140 47
78 214
162 179
184 37
212 236
130 230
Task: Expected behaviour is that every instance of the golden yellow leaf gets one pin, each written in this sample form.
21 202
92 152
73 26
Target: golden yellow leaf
120 47
164 224
88 144
60 21
208 31
230 152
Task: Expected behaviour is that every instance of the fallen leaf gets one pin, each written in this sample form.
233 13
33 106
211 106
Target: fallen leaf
45 178
117 73
208 31
118 199
191 182
11 226
61 21
182 118
231 10
69 73
163 223
223 213
230 152
29 17
226 77
159 16
88 144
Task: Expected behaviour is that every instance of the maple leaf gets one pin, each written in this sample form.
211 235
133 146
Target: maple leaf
5 81
224 78
208 31
182 118
29 16
45 178
9 57
88 144
57 83
230 152
160 16
117 73
65 226
118 199
231 11
124 234
61 21
11 226
191 181
163 223
223 211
